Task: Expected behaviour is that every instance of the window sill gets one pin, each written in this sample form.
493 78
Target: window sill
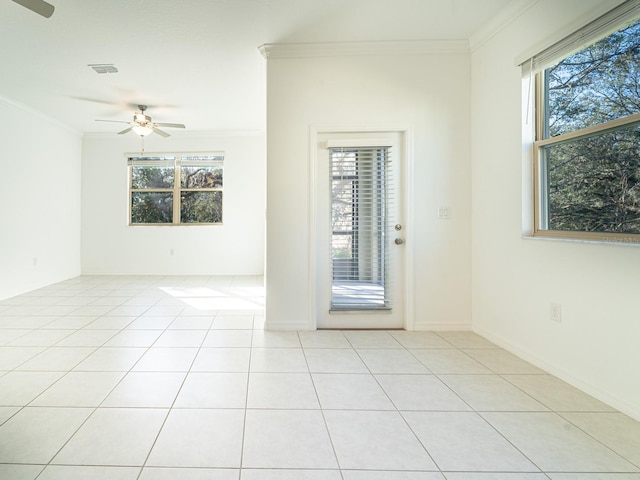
631 242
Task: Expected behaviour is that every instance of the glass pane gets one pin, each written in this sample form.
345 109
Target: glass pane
151 207
595 85
151 177
359 220
343 216
201 207
200 177
594 183
152 159
342 223
202 158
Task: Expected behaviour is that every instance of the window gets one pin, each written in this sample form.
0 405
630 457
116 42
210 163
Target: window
587 146
175 189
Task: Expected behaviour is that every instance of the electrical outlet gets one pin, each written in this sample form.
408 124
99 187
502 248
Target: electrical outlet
555 312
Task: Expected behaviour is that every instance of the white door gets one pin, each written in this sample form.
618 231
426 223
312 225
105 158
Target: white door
360 230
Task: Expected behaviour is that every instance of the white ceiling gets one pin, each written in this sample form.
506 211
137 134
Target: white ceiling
192 61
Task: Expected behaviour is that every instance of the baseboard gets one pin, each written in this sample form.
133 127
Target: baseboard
619 404
457 327
287 326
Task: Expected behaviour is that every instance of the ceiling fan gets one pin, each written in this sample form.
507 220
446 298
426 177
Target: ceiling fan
38 6
142 124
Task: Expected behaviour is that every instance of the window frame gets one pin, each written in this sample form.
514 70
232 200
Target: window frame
179 160
540 141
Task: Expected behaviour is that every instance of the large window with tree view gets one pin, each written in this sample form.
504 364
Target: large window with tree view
176 189
588 142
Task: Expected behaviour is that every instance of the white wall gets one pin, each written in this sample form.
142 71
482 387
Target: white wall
426 92
110 246
39 201
596 347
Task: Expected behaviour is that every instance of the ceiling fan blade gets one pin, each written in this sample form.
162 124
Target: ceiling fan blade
126 130
160 132
94 100
171 125
38 6
114 121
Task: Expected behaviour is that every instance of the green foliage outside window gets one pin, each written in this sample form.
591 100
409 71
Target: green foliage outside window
176 190
591 182
201 207
201 177
151 207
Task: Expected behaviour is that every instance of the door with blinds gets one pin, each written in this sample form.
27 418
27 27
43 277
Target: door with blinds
360 231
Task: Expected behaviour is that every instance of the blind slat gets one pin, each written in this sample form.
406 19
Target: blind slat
182 160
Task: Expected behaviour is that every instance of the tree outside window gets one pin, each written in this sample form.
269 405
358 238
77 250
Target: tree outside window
588 140
176 190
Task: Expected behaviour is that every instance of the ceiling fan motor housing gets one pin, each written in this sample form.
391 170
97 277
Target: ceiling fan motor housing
141 118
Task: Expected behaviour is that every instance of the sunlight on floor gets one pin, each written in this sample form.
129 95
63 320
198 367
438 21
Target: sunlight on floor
207 299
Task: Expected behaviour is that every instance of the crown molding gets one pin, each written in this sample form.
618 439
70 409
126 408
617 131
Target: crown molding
498 23
39 114
184 134
417 47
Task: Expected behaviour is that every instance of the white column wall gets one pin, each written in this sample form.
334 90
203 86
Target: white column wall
427 93
596 346
39 200
111 246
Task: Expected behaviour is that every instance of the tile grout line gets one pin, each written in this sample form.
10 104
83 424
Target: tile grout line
404 420
175 398
560 414
477 411
549 410
90 414
109 393
246 404
324 418
415 436
479 414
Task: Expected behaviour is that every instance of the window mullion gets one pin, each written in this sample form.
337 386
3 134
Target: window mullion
585 132
176 193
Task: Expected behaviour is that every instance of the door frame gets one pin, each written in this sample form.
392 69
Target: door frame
406 134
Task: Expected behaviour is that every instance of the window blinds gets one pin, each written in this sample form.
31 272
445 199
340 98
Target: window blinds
213 159
624 14
361 194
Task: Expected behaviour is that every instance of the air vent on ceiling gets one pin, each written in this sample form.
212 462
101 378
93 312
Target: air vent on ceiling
103 67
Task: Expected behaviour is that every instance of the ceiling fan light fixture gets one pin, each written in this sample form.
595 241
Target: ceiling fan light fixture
142 130
142 124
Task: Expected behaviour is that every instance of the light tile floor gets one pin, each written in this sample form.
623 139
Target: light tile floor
174 378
